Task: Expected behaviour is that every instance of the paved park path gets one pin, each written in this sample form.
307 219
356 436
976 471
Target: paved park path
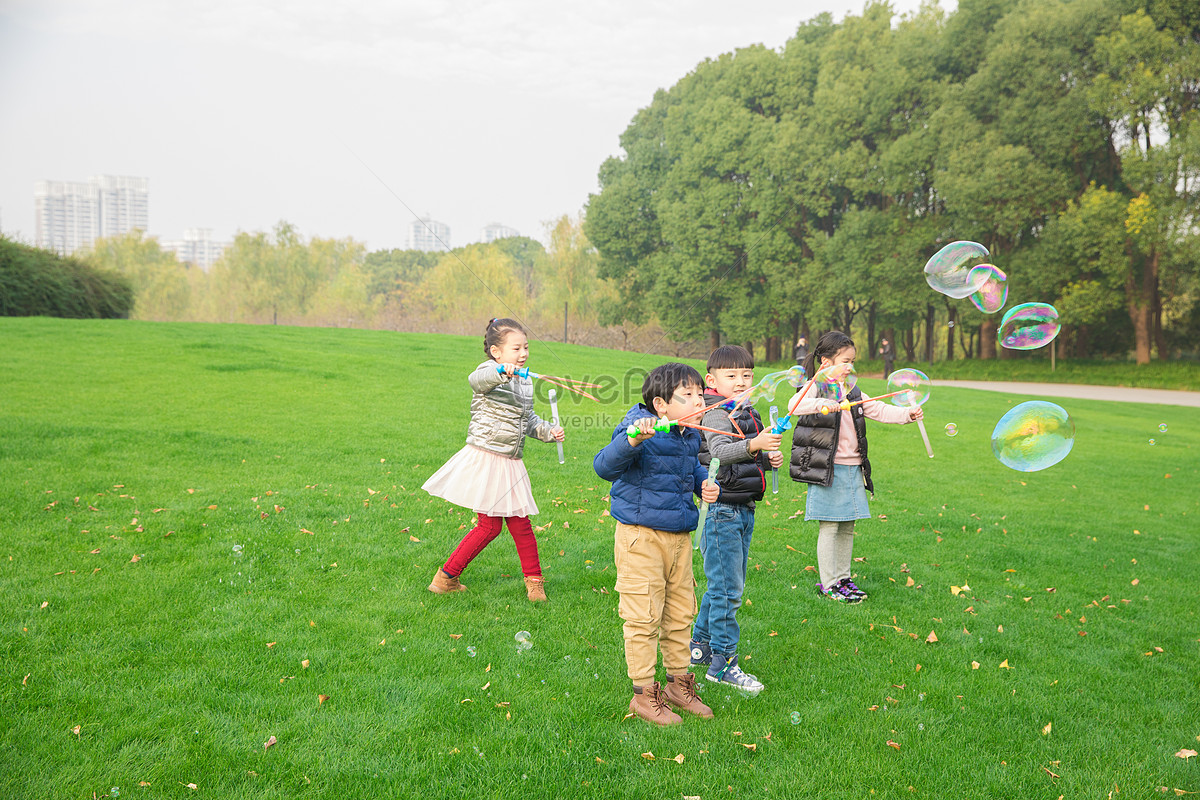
1121 394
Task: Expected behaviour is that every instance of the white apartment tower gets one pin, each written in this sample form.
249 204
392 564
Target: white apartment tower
69 215
428 234
197 247
494 230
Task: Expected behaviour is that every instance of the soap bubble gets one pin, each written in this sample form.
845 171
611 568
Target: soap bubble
835 381
523 641
765 388
237 550
1033 436
1162 427
993 294
950 272
795 717
913 386
1152 443
522 636
1029 326
951 429
471 651
920 726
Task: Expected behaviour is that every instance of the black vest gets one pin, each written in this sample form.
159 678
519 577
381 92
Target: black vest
815 441
744 482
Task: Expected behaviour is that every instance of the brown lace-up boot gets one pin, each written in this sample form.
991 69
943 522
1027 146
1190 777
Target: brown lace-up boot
443 583
535 589
651 705
680 692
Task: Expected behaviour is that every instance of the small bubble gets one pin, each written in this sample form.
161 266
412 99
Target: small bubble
594 675
566 658
981 640
1152 443
920 726
524 777
920 697
951 323
522 636
795 717
114 791
237 550
297 551
1162 427
951 429
470 651
566 694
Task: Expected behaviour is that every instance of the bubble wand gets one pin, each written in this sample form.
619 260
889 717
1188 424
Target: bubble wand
554 421
774 470
845 405
662 425
713 466
913 391
570 384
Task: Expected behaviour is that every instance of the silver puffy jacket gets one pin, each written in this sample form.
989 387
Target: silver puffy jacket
502 412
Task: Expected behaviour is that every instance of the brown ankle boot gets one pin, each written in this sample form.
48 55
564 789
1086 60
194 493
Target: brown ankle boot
535 589
443 583
681 693
651 705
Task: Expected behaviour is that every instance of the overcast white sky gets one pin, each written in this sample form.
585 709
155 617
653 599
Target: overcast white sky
245 113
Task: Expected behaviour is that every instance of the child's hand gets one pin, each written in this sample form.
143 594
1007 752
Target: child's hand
559 434
776 459
915 414
645 428
509 369
765 441
709 492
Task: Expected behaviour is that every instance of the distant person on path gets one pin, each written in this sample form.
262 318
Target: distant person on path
889 357
654 476
829 452
800 352
487 475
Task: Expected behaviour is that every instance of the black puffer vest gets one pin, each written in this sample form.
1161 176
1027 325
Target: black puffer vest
815 442
744 482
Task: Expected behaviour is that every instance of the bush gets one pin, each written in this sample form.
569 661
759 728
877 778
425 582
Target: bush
36 282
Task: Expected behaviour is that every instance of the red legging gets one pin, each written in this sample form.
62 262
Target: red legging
488 528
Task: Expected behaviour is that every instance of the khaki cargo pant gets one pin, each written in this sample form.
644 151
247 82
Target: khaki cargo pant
658 599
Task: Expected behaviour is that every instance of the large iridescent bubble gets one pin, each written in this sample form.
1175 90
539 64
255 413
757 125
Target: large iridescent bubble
1033 435
835 381
950 269
765 388
993 294
1029 326
913 386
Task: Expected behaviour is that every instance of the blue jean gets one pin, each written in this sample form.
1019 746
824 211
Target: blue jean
725 547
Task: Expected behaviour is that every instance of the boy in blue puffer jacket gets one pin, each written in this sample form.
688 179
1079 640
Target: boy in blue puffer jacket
653 479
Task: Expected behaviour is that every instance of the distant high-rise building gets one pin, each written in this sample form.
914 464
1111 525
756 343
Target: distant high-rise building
494 230
70 215
197 247
428 234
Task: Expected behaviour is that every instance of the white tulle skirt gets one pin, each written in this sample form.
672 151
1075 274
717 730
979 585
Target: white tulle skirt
485 482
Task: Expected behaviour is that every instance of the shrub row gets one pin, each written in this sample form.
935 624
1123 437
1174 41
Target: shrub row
36 282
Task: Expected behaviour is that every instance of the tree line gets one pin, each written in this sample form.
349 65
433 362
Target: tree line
770 191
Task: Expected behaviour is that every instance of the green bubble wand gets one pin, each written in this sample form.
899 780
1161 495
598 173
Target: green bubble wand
713 466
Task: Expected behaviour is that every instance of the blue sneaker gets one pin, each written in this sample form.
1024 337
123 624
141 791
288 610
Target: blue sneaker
727 671
701 654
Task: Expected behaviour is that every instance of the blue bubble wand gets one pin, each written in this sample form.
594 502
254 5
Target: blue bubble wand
570 384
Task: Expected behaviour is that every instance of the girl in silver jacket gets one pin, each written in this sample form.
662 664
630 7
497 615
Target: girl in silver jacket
487 475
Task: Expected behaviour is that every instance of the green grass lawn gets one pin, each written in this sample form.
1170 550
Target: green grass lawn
193 512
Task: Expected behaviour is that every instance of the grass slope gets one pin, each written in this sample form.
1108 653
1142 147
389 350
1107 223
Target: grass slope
136 457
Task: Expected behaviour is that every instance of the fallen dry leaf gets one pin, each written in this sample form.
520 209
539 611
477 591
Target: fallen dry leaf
648 755
974 665
76 729
26 678
678 759
1048 772
910 581
191 786
956 590
890 743
269 742
321 698
271 644
751 746
1046 730
456 636
412 538
1185 754
136 558
1004 664
45 603
304 664
931 638
1134 582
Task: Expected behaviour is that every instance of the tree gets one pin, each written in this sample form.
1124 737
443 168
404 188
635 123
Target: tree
159 280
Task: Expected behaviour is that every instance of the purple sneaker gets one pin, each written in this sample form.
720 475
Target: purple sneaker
841 594
850 585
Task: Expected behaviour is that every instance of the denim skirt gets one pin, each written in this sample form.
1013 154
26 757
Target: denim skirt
844 500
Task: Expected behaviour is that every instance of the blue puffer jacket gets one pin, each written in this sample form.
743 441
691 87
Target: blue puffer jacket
653 483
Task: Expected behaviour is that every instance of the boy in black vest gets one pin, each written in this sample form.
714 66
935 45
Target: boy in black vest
725 543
